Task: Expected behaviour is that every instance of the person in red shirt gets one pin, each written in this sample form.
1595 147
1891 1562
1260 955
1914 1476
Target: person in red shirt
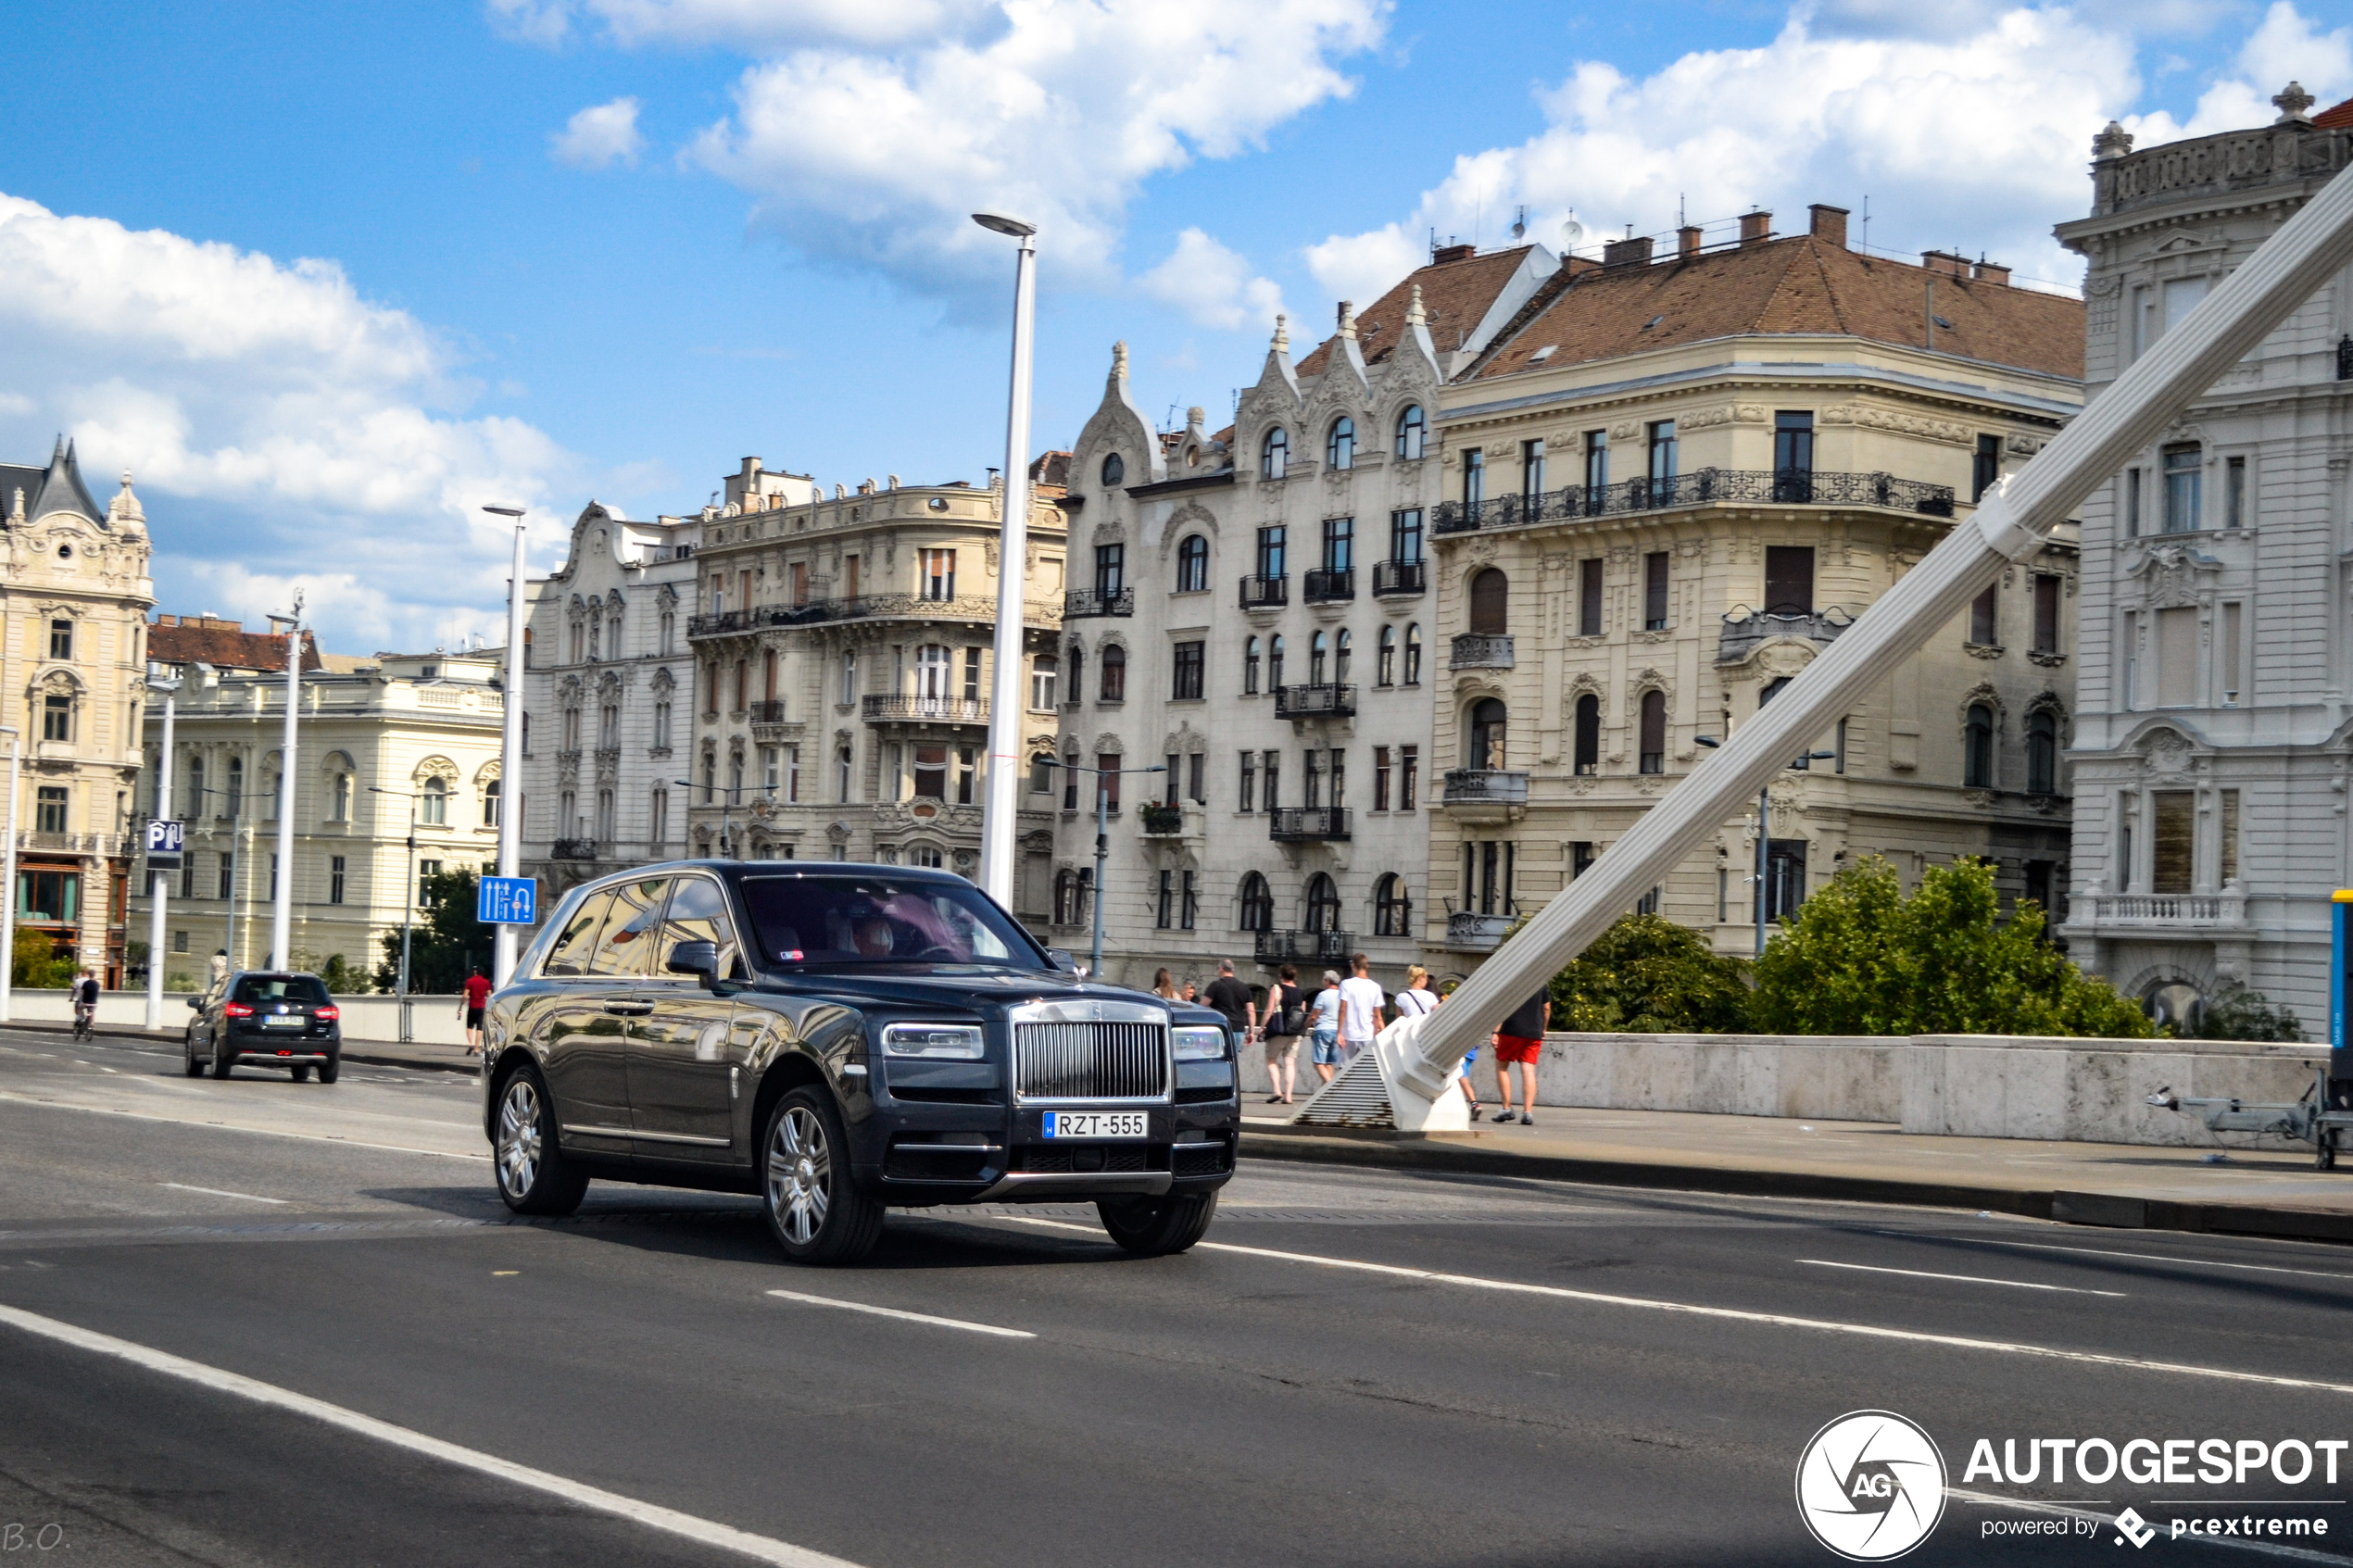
477 991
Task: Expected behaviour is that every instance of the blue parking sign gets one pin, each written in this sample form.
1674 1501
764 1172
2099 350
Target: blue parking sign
507 901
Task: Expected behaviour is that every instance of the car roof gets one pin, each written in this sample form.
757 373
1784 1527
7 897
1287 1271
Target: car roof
741 870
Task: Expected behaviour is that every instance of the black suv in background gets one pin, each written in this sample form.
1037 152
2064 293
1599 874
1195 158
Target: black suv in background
266 1019
839 1039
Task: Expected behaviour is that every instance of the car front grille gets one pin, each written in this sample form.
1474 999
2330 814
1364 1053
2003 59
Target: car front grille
1101 1061
1201 1159
1086 1161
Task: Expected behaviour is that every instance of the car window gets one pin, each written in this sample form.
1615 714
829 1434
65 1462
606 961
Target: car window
881 918
698 913
570 953
281 988
625 951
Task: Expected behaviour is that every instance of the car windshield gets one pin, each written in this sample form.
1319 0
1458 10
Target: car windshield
281 988
881 918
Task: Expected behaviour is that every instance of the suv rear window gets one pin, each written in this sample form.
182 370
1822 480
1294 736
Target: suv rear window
281 988
881 918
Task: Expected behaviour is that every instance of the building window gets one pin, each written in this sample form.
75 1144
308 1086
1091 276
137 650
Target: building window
1197 776
1392 910
1977 759
49 809
50 898
1531 475
2132 503
1107 780
1192 565
1588 596
1164 900
1043 670
1983 618
1110 570
1793 456
772 769
1839 764
1409 762
1381 778
1385 658
1412 433
1275 663
1312 778
2042 752
2184 472
1663 457
1343 650
1596 467
1249 667
1258 904
1271 763
1654 568
1589 735
490 804
2046 613
1070 783
57 717
1653 748
1474 480
1111 678
1248 796
1488 721
669 633
236 787
1272 543
1405 536
228 876
1189 671
1322 903
971 674
2234 493
1490 602
2172 840
339 798
1077 674
1339 446
931 773
1413 654
1339 544
1274 454
659 833
1987 469
662 726
61 638
1317 651
433 808
939 575
848 693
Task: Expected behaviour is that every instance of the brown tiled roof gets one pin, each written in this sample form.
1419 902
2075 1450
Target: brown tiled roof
2337 118
1051 471
224 645
1456 296
1801 284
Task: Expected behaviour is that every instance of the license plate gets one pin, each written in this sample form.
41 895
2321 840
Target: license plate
284 1021
1097 1125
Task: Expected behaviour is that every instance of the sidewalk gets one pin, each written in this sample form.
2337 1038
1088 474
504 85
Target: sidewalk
2270 1189
376 1053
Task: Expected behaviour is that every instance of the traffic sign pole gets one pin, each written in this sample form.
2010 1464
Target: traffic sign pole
158 882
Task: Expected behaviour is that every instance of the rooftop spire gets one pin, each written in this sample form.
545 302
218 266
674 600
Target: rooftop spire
2293 104
1413 314
1282 333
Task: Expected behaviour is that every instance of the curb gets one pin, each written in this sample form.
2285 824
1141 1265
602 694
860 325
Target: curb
353 1051
1388 1151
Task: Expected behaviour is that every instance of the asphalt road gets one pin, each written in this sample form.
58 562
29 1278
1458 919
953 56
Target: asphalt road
1356 1367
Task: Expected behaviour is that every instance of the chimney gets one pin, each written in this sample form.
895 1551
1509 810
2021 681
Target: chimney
1756 227
1687 240
1829 224
1445 254
1992 272
1945 262
1627 253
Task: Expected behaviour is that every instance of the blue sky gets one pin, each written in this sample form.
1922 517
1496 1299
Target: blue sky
326 277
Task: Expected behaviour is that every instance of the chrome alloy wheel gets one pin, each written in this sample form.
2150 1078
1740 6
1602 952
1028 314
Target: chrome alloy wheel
799 1175
519 1137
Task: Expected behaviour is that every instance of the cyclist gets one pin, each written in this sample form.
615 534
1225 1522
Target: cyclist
85 1004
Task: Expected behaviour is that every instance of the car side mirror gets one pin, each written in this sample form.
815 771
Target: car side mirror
196 1002
1062 960
698 958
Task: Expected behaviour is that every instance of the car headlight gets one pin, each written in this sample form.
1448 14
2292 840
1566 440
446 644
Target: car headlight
1199 1042
961 1042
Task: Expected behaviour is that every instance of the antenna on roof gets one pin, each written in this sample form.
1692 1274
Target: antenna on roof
1519 225
1867 220
1572 232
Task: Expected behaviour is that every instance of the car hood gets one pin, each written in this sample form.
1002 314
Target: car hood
989 992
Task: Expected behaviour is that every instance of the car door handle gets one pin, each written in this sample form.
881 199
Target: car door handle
629 1009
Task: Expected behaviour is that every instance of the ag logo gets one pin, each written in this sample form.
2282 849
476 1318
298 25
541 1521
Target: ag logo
1870 1485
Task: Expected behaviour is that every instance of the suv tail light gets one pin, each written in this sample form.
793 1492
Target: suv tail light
238 1010
326 1015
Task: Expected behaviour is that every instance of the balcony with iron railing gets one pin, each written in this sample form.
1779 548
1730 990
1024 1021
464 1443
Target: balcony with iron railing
865 607
1310 824
1398 577
1159 819
1087 604
572 850
1467 931
1304 946
1266 592
1745 630
1480 650
1789 487
1322 700
1484 787
926 709
1327 587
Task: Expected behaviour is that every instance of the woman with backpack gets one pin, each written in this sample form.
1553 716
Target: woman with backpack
1286 1020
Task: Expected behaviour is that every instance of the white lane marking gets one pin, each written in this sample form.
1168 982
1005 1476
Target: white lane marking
2229 1543
2143 1256
104 1068
910 1317
1736 1314
705 1532
1960 1279
216 1192
265 1132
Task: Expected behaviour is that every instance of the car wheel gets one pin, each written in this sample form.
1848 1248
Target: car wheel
301 1071
194 1065
331 1068
814 1208
1154 1227
221 1061
534 1175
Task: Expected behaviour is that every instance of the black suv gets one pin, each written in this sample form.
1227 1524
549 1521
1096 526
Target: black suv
838 1039
266 1019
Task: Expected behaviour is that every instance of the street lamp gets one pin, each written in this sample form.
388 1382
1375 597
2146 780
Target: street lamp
1763 805
408 898
502 960
282 903
160 881
1102 846
1005 713
730 791
9 875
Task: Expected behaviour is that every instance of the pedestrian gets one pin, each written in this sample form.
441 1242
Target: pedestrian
1323 1029
1232 997
1361 999
477 999
1165 985
1191 992
1286 1016
1521 1040
85 1003
1417 1000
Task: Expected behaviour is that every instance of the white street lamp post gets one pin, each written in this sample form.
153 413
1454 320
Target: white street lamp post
502 963
8 877
158 882
281 901
997 846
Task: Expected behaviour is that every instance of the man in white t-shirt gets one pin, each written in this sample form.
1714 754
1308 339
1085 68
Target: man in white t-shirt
1360 1005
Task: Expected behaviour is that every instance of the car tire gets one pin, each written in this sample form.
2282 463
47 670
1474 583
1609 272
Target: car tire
331 1068
222 1062
1155 1227
301 1071
533 1175
814 1208
194 1066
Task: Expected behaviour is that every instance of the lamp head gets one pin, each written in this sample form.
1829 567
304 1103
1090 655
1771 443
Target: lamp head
1013 227
505 511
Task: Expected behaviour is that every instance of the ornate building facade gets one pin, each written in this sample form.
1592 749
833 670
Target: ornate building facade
73 612
2214 738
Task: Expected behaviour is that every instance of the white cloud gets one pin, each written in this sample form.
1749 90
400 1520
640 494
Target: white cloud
757 26
2283 47
1213 284
599 136
270 413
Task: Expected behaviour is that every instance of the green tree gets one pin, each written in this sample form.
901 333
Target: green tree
35 964
1650 976
1861 958
445 945
2238 1013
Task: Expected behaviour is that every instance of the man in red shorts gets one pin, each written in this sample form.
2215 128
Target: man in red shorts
1521 1039
476 998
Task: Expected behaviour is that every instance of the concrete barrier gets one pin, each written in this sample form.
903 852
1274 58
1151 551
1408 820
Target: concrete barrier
1973 1086
435 1019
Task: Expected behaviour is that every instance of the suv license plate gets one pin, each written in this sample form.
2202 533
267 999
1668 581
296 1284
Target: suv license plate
1097 1125
285 1021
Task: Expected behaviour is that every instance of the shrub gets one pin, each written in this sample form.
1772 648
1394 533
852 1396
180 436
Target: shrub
1650 976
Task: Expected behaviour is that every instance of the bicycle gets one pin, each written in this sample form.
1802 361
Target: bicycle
84 1020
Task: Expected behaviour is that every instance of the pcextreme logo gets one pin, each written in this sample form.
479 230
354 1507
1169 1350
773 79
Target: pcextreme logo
1870 1485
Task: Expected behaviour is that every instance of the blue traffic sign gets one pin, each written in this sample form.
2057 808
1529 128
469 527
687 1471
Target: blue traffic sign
164 836
507 901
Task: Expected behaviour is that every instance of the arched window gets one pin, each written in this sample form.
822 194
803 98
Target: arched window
1322 903
1393 907
1977 755
1249 667
604 834
1412 433
1258 904
1112 684
1340 655
237 786
1275 663
432 808
932 672
1413 654
1653 748
1077 674
1589 735
1385 664
743 684
1114 469
1490 602
490 804
1274 454
2042 752
1487 723
1339 446
668 632
1317 651
1192 565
